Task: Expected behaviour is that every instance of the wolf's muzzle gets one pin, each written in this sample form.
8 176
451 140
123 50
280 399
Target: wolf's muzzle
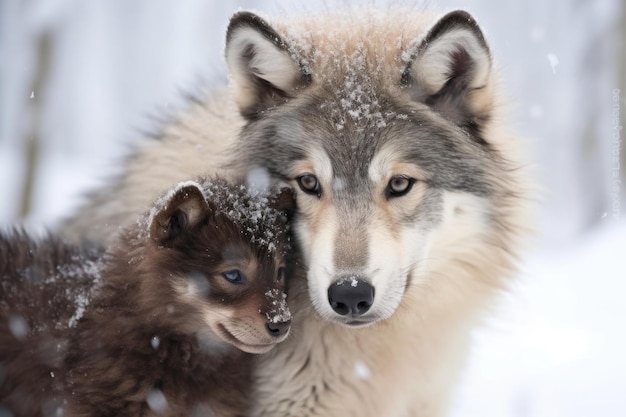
351 295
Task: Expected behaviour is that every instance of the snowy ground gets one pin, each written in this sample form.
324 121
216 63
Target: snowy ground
557 346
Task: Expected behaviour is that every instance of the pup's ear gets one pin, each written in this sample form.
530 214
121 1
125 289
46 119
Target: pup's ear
264 71
284 200
450 70
180 211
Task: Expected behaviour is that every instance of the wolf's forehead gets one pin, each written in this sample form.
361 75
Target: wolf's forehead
359 150
357 97
348 169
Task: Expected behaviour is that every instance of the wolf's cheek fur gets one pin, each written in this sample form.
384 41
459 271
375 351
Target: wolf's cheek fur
315 228
390 262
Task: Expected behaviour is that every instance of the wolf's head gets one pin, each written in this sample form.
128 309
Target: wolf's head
383 125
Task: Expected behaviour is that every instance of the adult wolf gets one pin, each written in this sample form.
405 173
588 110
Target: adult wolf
409 197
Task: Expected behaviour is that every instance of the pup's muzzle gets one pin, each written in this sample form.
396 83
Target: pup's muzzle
279 328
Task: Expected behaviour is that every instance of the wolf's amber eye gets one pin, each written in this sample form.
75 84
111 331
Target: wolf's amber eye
399 185
280 276
233 276
309 184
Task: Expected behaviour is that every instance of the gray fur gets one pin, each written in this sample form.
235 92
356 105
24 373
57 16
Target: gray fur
353 213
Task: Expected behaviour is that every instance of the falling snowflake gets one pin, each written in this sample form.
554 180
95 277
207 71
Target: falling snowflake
554 61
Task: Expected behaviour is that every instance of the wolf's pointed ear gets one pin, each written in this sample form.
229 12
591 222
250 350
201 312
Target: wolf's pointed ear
264 71
284 200
182 209
450 70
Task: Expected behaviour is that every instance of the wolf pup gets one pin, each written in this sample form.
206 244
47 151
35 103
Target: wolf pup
410 196
162 325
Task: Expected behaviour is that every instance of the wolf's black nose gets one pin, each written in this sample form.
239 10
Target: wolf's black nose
351 296
279 328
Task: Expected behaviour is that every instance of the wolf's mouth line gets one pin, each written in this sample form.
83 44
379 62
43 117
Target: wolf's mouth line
357 324
353 322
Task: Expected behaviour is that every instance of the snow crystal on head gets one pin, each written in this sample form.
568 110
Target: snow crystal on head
356 98
279 313
357 55
263 224
354 77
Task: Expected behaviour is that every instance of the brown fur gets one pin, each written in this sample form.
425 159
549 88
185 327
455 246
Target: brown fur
39 281
141 339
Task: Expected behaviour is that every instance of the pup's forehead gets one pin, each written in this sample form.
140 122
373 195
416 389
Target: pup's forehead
249 211
235 252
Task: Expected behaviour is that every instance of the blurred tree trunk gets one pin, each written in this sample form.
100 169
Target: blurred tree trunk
33 138
621 71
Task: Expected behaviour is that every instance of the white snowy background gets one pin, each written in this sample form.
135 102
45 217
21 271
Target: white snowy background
86 78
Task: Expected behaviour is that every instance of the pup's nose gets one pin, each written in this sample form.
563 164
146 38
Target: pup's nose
279 328
351 296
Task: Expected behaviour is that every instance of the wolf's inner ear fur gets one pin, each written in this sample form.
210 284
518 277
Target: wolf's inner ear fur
182 211
450 70
263 70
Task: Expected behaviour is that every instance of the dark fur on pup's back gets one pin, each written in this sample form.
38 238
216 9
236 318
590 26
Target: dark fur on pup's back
182 294
43 284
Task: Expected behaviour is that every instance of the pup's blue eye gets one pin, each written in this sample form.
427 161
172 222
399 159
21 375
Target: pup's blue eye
233 276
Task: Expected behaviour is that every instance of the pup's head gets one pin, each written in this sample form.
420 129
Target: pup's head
384 128
216 263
